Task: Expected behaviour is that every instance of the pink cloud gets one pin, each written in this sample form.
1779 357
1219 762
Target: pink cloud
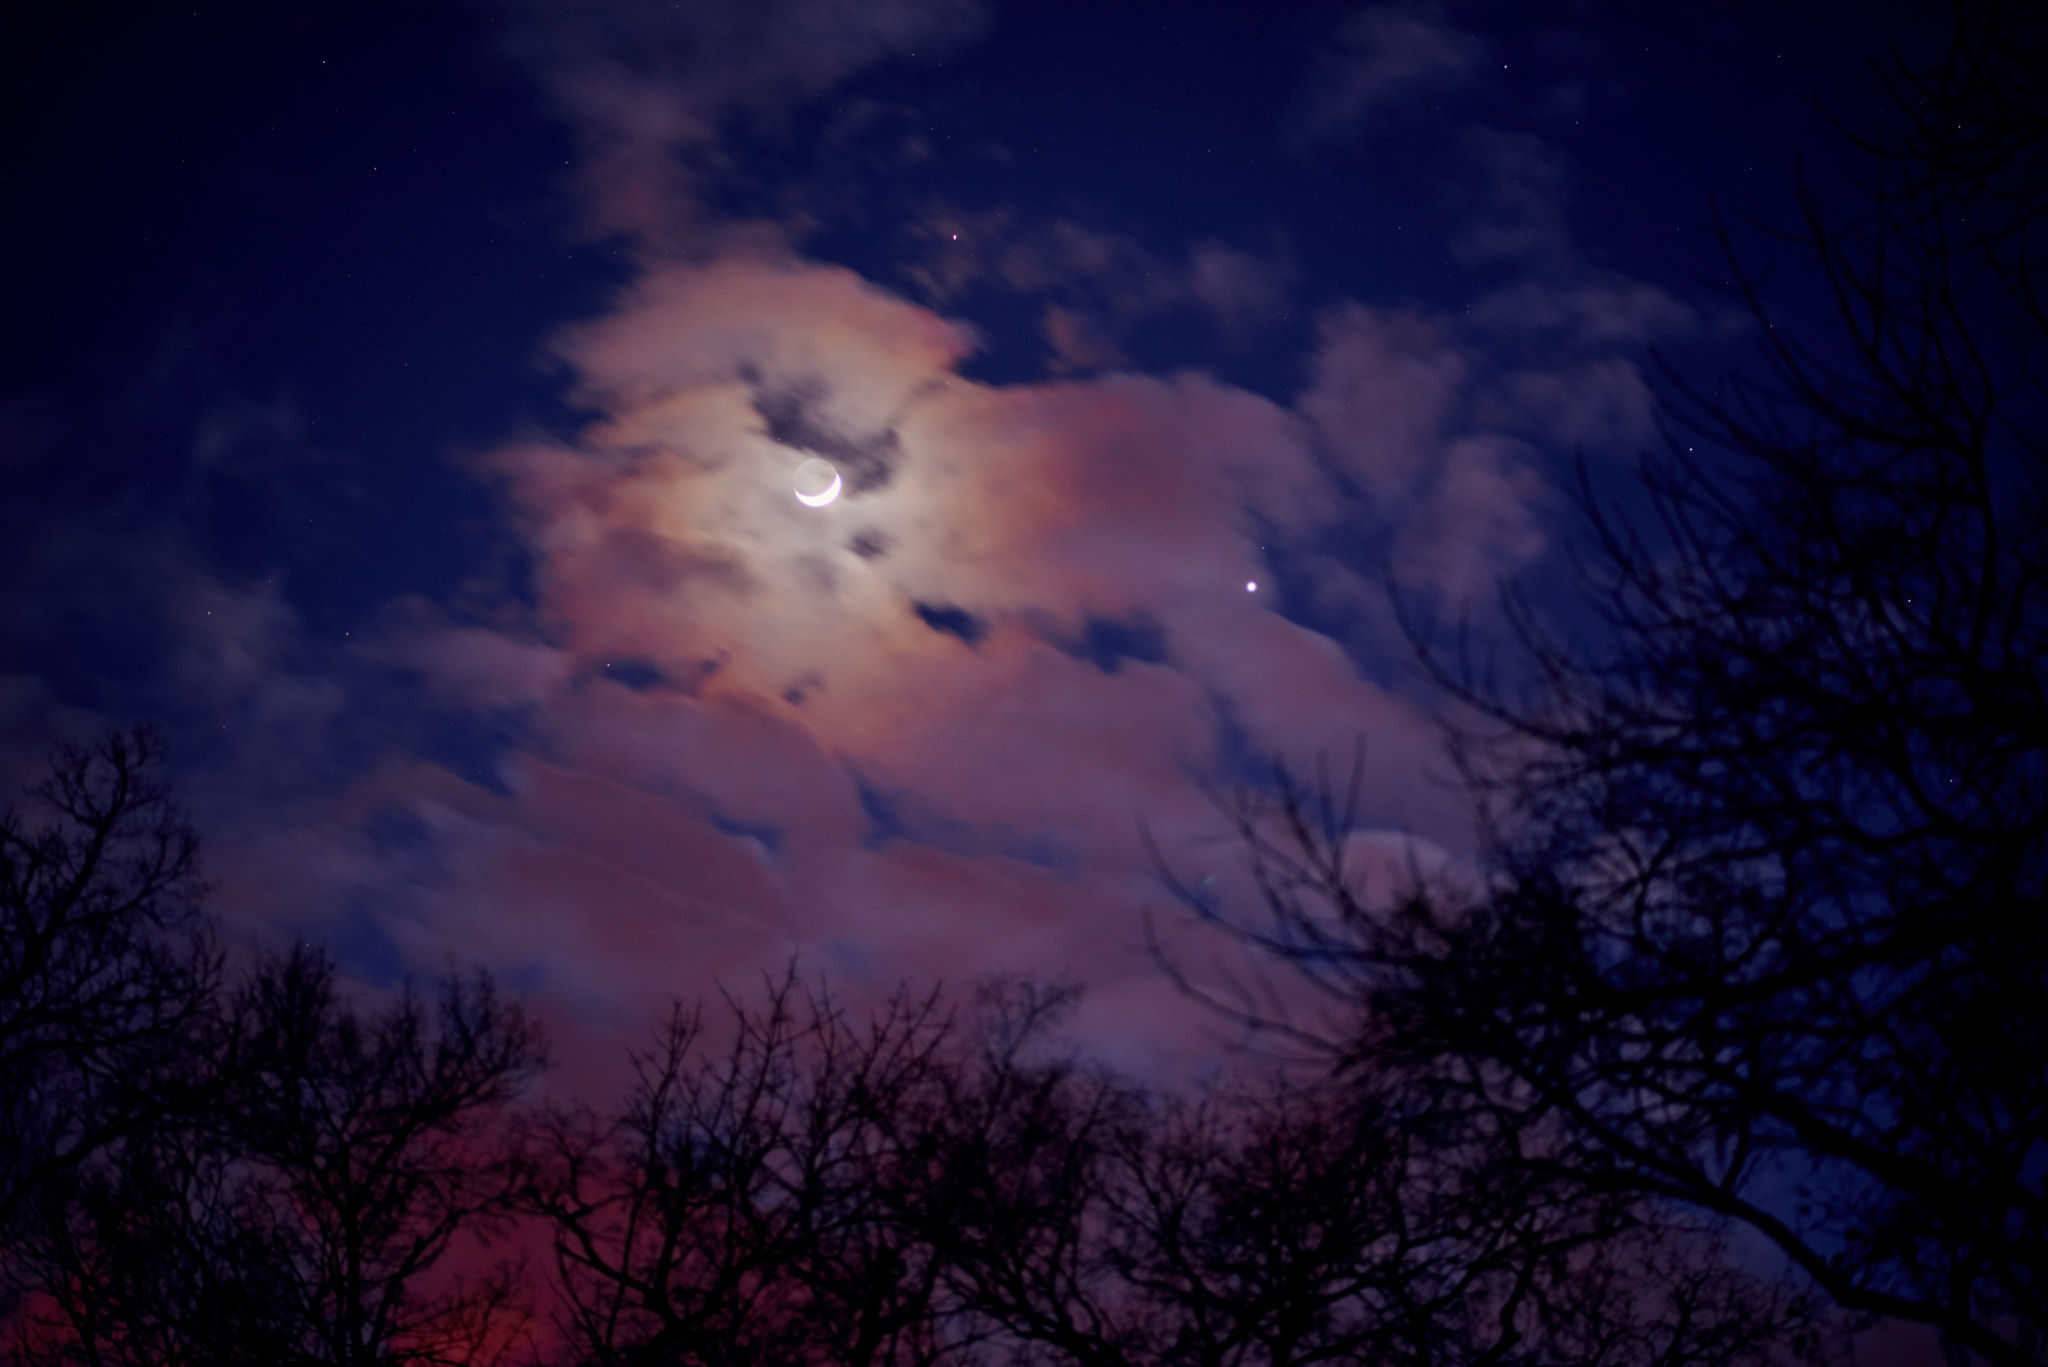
913 733
725 733
803 762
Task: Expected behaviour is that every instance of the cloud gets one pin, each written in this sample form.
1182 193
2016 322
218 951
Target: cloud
1079 342
1384 58
1512 204
914 733
1098 285
1425 446
1384 386
669 535
911 734
1601 404
648 85
1591 310
1479 520
1247 294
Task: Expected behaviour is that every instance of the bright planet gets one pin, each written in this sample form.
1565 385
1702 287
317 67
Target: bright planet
817 483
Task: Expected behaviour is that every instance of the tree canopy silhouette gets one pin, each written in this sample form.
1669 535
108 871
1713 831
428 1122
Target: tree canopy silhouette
931 1190
789 1184
307 1214
107 966
204 1166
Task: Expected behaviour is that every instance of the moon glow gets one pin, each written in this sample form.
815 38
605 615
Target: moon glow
820 479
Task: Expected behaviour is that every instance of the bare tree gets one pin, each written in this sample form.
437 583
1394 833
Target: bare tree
1033 1139
750 1205
107 968
378 1141
1288 1226
307 1216
1766 931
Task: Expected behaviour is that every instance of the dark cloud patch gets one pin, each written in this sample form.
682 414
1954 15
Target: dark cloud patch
1038 851
951 621
470 745
869 544
816 573
897 813
646 676
396 829
699 672
1106 642
791 417
1240 759
638 675
766 834
360 941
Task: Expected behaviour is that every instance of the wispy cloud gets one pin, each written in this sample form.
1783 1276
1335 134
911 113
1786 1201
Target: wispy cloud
1381 60
648 86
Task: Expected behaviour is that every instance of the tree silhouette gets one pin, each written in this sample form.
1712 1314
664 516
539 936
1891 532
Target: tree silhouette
317 1182
928 1190
1290 1225
107 968
1764 932
305 1216
748 1206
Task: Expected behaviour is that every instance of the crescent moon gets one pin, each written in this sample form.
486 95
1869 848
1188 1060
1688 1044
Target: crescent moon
820 500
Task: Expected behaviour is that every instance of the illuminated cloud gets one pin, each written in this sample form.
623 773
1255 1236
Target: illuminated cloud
913 733
916 731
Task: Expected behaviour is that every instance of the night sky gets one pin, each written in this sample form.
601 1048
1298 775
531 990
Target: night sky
400 404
